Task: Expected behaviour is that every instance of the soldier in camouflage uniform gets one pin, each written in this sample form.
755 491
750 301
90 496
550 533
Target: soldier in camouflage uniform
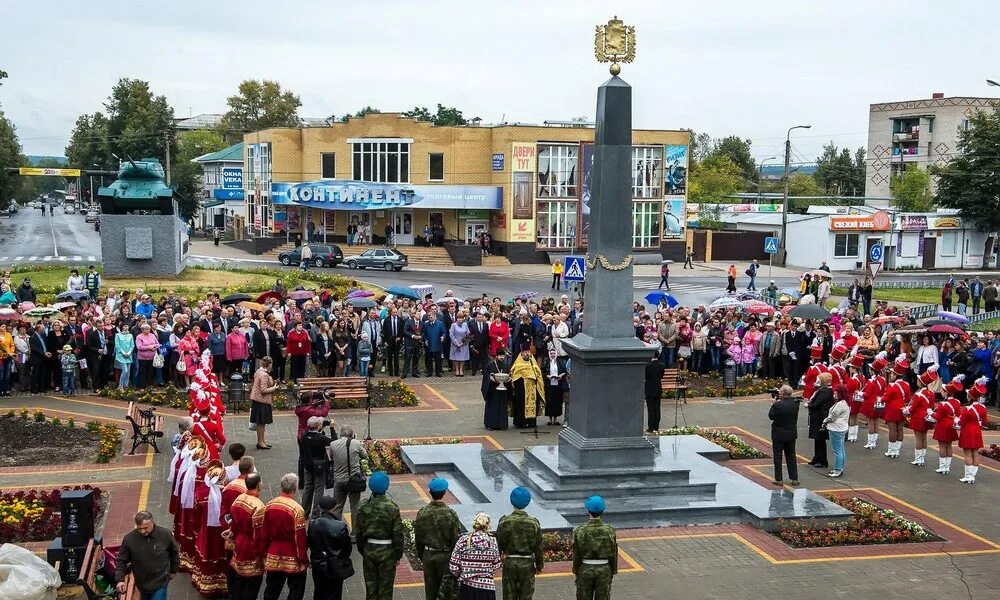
380 539
595 554
520 539
435 531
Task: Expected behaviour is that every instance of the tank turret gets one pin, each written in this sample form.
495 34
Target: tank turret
140 185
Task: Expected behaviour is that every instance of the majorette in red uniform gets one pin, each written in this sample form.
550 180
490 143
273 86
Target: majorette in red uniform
188 519
209 576
837 370
809 379
970 423
896 396
855 384
921 402
943 418
872 407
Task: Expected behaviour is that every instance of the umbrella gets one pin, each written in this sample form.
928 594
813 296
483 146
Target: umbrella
757 307
9 314
422 288
527 295
73 295
26 306
809 311
787 309
234 298
40 311
272 294
62 305
666 262
793 292
403 292
932 322
785 299
952 316
657 296
949 329
251 305
912 329
447 299
361 302
302 294
723 302
361 294
820 273
886 319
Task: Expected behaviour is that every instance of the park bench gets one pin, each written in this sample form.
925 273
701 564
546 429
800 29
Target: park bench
146 426
93 562
343 387
673 383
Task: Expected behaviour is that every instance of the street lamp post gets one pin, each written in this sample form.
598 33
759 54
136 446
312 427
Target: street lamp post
760 177
784 198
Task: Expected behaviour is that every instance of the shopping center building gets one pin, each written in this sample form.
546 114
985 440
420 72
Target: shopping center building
527 185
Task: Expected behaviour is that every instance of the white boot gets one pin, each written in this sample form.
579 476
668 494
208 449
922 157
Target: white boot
852 433
968 474
896 449
940 468
891 450
872 441
868 442
972 474
918 457
947 465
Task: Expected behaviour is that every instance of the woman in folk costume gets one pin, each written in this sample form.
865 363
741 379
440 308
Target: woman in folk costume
814 370
181 455
943 417
922 402
209 576
873 407
856 382
529 389
205 427
970 425
189 513
896 397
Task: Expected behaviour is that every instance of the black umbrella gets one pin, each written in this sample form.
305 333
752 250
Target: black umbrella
235 298
73 295
361 302
932 322
809 311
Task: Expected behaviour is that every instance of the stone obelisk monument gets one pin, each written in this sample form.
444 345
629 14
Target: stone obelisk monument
606 419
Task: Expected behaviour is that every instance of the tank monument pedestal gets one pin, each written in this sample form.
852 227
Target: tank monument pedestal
647 481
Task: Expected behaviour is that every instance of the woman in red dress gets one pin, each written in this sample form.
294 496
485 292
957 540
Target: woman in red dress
872 406
896 397
190 512
943 418
499 334
970 424
855 384
921 403
210 576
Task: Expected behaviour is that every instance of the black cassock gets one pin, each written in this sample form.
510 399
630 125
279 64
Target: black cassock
495 412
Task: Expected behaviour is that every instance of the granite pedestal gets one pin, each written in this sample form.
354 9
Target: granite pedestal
143 245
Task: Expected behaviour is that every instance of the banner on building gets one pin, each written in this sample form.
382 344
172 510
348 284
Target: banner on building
232 178
674 217
587 154
676 165
334 194
523 197
523 162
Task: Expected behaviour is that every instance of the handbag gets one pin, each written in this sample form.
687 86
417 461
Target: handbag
181 365
157 361
684 351
356 483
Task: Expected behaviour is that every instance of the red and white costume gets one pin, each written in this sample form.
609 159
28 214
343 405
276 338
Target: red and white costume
897 395
971 420
921 403
813 372
872 405
943 418
214 436
209 576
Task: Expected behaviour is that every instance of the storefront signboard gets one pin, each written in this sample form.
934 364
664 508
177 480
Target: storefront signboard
471 214
232 178
334 194
497 162
524 158
521 231
913 222
947 223
876 222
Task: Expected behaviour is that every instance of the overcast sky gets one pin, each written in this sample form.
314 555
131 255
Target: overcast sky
724 67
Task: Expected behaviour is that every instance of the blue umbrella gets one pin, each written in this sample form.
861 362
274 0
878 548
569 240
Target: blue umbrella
657 296
793 292
403 292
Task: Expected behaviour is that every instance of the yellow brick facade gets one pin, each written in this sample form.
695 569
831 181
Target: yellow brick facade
468 151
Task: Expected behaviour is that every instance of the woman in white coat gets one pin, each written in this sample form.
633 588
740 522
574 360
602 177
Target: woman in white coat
560 331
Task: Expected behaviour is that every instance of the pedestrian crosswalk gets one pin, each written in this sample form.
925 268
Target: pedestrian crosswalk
32 258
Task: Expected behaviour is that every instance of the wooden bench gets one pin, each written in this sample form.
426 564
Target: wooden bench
673 383
146 426
93 561
343 387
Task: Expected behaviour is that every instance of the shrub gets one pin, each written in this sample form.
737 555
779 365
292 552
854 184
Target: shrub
871 524
385 455
39 416
32 515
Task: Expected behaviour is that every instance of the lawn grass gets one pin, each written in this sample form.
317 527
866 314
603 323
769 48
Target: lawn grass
987 325
914 295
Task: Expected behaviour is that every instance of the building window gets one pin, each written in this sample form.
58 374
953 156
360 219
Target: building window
557 171
949 243
436 167
647 172
845 245
646 224
381 162
556 223
329 165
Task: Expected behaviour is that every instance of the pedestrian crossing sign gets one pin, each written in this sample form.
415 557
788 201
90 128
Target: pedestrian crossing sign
771 245
574 268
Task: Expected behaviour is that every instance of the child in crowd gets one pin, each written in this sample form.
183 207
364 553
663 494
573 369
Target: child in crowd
69 364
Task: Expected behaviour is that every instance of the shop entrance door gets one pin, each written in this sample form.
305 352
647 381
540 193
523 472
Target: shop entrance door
473 229
402 227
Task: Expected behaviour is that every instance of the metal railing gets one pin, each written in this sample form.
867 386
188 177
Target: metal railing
923 311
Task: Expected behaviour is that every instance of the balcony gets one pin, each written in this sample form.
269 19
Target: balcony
912 136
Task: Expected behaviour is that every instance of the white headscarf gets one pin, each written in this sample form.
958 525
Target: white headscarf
214 499
188 483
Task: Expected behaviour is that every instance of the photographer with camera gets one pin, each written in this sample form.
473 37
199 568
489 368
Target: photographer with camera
313 458
784 415
312 404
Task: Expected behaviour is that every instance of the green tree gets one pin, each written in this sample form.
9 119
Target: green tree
445 115
88 143
192 144
713 179
368 110
800 184
10 155
259 105
840 174
912 191
185 174
710 216
970 181
140 125
3 75
737 150
419 113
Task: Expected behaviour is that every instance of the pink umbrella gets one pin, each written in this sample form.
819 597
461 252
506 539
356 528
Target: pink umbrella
26 306
361 294
302 294
9 314
758 308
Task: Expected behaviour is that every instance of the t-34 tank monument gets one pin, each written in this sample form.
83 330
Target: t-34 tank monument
142 232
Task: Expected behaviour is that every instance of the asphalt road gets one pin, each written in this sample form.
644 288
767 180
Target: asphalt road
30 233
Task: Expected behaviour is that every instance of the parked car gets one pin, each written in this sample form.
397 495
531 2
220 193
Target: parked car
91 216
322 255
386 259
69 209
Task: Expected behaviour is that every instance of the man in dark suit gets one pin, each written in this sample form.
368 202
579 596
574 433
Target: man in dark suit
39 356
392 335
97 348
411 347
791 351
479 341
653 392
784 415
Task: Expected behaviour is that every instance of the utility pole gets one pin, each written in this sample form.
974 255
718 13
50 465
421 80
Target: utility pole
784 195
166 139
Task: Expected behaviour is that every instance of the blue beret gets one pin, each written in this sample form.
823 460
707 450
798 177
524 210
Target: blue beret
378 482
595 505
520 497
438 485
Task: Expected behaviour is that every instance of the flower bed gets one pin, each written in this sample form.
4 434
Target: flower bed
738 448
993 451
35 439
384 455
33 515
710 385
871 524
